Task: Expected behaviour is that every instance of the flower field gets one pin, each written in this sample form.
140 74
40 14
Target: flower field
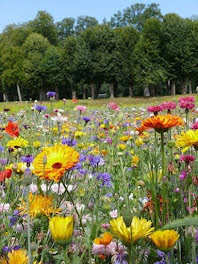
112 184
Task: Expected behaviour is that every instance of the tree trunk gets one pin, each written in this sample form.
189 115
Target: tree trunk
146 91
190 86
5 97
57 92
73 94
84 92
173 87
130 91
93 91
111 90
42 95
183 87
152 90
19 93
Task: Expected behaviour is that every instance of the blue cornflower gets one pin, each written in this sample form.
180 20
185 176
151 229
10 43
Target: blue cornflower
106 179
68 141
51 94
93 160
41 108
28 159
86 119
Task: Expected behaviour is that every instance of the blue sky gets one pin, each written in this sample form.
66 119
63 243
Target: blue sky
18 11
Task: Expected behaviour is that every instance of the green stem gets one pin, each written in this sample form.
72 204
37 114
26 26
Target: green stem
72 201
129 249
29 234
163 154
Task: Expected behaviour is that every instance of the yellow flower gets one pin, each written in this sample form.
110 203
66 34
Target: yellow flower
17 143
17 257
139 228
135 160
79 134
125 138
61 228
164 240
36 144
54 161
188 139
139 142
38 205
122 146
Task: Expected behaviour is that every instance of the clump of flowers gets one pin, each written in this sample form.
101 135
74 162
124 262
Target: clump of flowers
155 109
187 102
168 106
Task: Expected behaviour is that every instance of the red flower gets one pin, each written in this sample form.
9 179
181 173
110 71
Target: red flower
12 129
5 174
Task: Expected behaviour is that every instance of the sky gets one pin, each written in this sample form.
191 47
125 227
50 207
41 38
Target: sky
19 11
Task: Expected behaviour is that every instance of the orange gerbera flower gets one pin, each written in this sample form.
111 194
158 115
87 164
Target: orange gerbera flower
162 123
54 161
12 129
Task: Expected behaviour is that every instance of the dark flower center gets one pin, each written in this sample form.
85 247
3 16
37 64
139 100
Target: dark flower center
57 165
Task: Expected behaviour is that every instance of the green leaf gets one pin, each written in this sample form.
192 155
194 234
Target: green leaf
186 221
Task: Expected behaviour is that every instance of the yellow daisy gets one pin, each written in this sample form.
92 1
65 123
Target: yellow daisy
188 139
165 240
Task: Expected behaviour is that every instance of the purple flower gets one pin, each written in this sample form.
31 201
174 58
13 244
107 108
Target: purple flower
1 149
3 161
41 108
183 175
51 94
70 142
86 119
28 159
93 160
106 179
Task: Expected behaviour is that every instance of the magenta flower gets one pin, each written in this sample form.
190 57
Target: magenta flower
187 102
113 106
169 105
155 109
187 158
194 126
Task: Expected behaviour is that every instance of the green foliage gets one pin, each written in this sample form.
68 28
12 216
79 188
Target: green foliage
186 221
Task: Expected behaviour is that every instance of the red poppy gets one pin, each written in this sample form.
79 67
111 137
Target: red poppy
12 129
5 174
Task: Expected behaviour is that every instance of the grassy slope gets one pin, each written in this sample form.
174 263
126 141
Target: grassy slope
122 101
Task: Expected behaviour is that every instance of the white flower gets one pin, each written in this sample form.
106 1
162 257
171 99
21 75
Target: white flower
114 213
131 196
4 207
33 188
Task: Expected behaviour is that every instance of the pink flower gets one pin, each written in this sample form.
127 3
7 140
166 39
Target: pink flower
169 105
81 108
33 188
187 158
155 109
4 207
194 126
187 102
64 100
106 226
176 190
104 250
113 106
114 213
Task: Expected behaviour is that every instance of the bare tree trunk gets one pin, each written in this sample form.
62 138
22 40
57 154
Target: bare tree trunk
111 90
84 92
57 92
190 86
173 87
183 87
130 91
5 97
73 94
146 91
19 93
152 90
93 91
42 95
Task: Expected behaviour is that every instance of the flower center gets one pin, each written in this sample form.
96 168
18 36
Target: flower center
57 165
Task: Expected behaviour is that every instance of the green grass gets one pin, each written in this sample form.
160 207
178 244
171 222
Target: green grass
122 101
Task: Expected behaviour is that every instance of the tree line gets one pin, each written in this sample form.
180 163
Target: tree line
137 52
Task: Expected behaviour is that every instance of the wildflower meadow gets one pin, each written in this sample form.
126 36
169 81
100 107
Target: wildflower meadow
91 185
